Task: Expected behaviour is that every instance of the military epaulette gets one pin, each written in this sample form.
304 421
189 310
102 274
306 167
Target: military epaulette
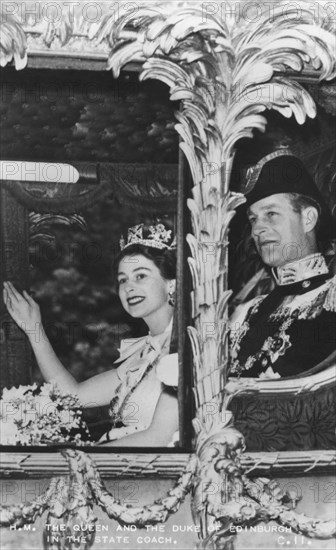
330 298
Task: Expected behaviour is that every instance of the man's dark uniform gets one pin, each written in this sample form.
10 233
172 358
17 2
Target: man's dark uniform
293 329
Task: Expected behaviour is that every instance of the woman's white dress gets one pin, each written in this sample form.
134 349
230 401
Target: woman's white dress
141 382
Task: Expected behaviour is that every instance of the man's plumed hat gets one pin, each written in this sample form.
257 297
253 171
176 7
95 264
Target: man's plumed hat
283 172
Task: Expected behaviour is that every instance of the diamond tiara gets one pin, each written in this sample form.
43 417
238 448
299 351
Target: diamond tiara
158 236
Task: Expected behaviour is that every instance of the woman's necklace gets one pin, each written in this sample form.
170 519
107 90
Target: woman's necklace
152 351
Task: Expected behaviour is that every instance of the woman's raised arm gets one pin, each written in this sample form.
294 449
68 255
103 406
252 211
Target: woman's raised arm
97 391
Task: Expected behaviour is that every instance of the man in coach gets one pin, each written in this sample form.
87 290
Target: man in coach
293 329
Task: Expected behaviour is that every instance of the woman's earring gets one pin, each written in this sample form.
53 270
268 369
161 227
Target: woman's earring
171 298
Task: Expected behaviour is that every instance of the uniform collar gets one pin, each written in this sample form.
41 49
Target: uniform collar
301 271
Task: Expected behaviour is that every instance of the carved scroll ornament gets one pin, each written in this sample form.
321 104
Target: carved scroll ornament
226 71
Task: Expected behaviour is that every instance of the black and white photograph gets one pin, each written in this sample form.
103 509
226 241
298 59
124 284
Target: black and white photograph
168 275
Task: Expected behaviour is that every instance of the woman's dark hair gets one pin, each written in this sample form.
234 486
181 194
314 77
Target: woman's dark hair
164 259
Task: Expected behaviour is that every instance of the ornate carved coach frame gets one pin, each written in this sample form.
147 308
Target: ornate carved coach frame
226 63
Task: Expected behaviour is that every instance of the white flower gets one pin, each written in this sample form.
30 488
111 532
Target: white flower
47 417
48 388
269 374
7 429
14 393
